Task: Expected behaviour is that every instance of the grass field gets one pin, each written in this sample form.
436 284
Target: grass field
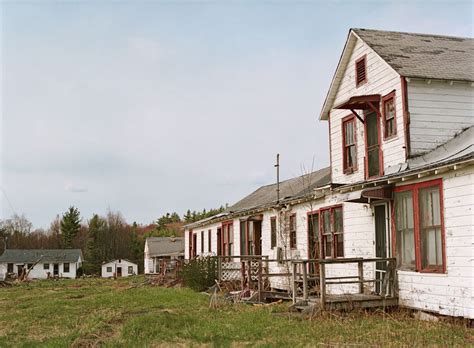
93 312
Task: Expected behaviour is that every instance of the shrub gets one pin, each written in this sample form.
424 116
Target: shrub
200 273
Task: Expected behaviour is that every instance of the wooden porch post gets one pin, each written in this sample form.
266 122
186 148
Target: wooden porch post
305 281
360 266
293 281
322 284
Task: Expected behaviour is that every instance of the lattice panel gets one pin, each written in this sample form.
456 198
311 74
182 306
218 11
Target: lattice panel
231 271
254 270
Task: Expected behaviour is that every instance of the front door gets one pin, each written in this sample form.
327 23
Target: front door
381 243
372 141
257 225
119 271
56 269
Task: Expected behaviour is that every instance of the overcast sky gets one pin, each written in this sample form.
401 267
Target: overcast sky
151 107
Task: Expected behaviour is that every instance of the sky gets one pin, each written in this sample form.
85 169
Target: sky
148 107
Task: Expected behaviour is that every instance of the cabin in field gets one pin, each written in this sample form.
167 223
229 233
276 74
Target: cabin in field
41 263
393 222
119 268
163 253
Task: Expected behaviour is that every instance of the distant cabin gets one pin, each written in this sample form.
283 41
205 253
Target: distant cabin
62 263
119 268
162 250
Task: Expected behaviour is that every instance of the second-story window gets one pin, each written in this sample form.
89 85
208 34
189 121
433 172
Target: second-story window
349 142
389 119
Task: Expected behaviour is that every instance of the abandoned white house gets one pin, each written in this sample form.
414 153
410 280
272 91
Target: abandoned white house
43 263
162 252
400 114
119 268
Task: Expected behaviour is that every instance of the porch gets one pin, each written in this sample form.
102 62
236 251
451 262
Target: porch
324 283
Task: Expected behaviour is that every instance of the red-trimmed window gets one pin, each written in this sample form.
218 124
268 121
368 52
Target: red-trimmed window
389 116
209 240
419 227
361 71
273 231
227 238
332 232
293 231
349 142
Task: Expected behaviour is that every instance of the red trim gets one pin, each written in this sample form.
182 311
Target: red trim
385 99
308 215
322 243
225 229
406 116
329 138
366 161
363 58
347 119
416 212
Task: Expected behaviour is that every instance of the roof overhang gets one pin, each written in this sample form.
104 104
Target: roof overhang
359 102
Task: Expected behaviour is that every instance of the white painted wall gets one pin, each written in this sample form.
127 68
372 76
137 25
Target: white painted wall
382 79
451 293
438 111
109 269
38 271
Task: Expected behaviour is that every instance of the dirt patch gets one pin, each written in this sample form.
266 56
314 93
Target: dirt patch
75 297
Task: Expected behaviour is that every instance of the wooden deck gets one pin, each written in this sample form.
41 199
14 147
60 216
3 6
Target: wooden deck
347 302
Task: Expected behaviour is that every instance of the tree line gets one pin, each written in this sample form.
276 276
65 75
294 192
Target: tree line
101 238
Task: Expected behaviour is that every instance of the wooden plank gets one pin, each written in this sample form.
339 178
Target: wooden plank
305 282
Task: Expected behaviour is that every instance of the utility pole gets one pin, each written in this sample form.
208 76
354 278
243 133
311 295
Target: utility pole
277 166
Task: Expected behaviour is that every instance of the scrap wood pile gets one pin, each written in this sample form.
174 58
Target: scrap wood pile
163 280
230 292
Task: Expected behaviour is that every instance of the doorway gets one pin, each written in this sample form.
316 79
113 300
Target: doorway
372 145
119 271
313 241
56 269
381 242
219 241
257 237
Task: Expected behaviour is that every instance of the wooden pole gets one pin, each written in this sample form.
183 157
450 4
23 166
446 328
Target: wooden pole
219 268
305 281
293 281
360 266
322 284
260 287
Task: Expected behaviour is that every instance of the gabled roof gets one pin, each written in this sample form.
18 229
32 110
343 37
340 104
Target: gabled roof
165 246
289 189
42 255
266 196
410 55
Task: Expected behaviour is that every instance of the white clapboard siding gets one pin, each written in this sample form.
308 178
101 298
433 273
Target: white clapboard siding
382 79
451 293
438 112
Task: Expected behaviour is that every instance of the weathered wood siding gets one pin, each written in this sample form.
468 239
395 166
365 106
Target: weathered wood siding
438 111
451 293
382 79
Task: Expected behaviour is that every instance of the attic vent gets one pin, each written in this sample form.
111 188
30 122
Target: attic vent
361 71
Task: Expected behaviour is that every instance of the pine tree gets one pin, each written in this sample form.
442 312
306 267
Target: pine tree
94 256
70 226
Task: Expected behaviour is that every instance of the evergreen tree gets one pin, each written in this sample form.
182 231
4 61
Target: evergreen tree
97 226
70 226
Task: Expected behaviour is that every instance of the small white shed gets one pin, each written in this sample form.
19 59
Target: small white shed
119 268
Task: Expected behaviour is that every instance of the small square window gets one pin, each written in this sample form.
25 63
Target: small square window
46 266
109 269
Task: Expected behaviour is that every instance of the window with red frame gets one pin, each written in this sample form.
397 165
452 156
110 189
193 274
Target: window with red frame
419 227
332 232
389 116
227 239
293 231
349 141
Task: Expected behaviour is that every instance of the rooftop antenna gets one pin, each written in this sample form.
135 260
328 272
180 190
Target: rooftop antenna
277 166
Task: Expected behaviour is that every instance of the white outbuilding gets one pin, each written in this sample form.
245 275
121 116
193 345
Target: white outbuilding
119 268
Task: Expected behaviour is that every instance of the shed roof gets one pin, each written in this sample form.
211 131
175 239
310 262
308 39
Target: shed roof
165 246
423 55
44 255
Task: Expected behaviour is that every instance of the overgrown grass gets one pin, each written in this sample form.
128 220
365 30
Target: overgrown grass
92 312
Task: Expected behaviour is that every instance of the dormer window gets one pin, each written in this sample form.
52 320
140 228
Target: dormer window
349 141
361 71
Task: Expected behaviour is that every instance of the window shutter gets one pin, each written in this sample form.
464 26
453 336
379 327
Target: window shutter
361 73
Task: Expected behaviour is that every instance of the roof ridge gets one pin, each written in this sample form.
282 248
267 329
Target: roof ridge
412 33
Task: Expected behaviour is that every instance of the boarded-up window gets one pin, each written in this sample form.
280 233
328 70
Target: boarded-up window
361 71
273 231
419 227
293 231
349 142
389 119
332 232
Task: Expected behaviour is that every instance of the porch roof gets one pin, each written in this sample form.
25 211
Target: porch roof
359 102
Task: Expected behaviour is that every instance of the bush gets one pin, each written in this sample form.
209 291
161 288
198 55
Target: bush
200 274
